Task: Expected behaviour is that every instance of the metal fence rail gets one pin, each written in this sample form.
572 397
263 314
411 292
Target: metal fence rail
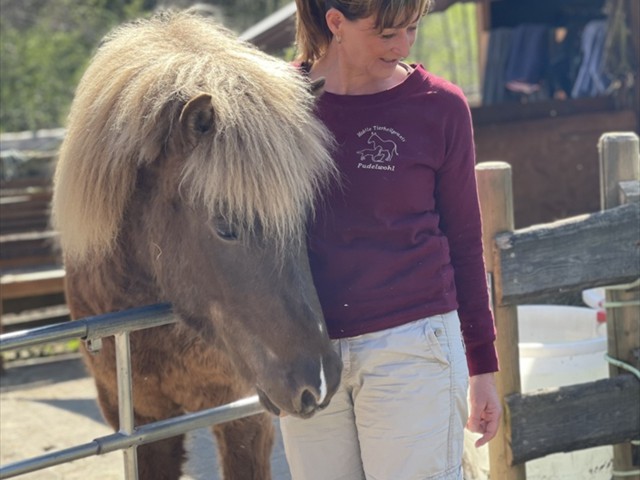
91 328
119 325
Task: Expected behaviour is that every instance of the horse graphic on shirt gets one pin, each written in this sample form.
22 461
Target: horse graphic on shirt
380 150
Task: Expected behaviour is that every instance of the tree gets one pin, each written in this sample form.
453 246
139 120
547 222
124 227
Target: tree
44 48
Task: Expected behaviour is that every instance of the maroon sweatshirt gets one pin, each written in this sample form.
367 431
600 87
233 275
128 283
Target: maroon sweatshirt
400 238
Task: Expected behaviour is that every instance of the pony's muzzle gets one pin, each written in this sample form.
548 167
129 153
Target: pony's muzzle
306 388
320 385
309 403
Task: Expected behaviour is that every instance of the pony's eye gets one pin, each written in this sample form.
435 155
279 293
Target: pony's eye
225 229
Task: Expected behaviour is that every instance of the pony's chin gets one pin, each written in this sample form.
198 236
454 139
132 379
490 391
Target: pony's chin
267 403
274 409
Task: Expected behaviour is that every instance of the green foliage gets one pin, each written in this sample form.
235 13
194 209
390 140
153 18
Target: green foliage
39 71
44 48
447 46
43 350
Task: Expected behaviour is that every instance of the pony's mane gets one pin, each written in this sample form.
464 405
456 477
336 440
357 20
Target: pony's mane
264 163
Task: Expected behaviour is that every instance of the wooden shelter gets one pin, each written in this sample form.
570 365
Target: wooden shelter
549 143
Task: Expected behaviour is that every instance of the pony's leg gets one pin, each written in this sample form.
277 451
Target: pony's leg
245 447
161 460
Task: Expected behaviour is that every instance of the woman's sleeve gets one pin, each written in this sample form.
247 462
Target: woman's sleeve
460 221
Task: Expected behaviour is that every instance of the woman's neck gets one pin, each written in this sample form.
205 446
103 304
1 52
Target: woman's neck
341 79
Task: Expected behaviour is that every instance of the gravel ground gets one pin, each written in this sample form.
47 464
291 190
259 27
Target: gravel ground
47 406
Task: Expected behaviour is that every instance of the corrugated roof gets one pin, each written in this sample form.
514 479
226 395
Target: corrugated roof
275 32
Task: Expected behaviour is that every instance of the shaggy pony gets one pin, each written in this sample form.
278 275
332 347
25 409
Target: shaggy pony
123 115
189 168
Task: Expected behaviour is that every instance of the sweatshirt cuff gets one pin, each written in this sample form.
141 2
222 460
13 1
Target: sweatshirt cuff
482 358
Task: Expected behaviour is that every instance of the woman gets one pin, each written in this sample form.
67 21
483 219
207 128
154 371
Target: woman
396 255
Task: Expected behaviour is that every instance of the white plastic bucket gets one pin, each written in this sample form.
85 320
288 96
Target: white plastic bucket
594 297
559 346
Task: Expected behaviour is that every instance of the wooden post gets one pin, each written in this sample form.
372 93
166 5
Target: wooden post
483 27
496 203
620 162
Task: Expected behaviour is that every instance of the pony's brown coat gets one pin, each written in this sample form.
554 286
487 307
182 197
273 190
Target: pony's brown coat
189 166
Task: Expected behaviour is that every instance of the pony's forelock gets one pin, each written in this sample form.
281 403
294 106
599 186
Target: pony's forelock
263 163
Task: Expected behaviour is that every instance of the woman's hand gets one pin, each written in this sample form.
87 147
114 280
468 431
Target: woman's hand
486 408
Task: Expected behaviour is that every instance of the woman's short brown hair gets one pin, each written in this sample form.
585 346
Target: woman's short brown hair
313 35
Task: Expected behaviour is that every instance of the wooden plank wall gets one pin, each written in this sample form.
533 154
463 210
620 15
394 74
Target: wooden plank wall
554 160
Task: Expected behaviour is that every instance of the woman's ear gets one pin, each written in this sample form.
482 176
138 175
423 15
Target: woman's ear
334 18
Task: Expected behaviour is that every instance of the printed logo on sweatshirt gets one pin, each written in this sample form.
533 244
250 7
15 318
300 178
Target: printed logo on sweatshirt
381 148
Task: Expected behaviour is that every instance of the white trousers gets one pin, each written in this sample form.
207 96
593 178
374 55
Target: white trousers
399 413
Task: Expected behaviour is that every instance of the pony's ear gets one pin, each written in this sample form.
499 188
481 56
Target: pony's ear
316 87
197 117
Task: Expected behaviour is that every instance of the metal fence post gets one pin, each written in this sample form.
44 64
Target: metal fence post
125 401
129 437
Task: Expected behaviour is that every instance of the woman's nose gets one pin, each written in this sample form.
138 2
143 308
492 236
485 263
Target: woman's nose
403 44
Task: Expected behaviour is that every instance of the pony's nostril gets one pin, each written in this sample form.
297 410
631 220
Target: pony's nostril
307 401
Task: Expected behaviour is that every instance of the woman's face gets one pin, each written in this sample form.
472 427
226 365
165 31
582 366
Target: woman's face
370 52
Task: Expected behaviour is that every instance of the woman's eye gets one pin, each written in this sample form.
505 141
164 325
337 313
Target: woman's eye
389 34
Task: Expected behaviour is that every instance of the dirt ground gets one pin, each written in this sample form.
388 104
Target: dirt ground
50 406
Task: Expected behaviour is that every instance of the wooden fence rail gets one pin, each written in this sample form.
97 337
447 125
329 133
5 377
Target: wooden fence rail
604 412
31 273
527 265
569 255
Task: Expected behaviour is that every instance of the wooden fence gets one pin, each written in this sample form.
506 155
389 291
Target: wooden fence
31 273
600 249
527 265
